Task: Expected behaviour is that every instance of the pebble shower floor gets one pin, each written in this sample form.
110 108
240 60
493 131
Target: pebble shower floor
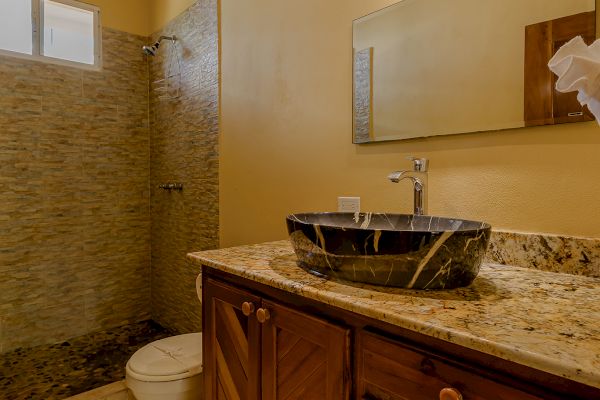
58 371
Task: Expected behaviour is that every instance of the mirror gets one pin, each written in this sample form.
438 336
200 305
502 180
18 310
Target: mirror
438 67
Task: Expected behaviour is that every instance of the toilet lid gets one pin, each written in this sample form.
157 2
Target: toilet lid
176 355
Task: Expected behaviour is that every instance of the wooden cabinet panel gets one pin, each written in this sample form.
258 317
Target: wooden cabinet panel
303 357
231 345
387 370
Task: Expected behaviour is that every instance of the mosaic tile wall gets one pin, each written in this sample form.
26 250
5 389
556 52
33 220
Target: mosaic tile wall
74 196
184 136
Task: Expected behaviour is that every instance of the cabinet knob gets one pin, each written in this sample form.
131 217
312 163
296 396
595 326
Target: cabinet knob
262 315
247 308
450 394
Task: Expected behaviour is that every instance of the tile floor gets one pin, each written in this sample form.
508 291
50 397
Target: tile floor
112 391
54 372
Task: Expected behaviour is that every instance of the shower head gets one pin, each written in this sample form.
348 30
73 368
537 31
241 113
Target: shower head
153 49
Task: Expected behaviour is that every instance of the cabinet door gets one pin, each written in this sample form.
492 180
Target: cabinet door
231 343
304 357
389 371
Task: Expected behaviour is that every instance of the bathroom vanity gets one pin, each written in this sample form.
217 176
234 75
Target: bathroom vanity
275 331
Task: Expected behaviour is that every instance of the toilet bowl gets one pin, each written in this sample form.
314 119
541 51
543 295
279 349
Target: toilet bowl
167 369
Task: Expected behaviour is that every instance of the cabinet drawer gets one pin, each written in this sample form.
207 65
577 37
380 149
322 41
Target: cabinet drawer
387 370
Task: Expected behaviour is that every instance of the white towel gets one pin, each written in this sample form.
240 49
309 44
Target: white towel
577 66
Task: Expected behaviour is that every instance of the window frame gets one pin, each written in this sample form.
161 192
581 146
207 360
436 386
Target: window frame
37 37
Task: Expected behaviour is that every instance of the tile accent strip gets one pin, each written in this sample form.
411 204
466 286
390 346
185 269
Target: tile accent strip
569 255
363 95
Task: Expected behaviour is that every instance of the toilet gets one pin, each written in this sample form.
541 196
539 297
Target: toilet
168 369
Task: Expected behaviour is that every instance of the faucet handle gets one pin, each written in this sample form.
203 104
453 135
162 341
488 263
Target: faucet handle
419 164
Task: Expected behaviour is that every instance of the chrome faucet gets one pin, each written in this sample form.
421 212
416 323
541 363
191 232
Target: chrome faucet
418 176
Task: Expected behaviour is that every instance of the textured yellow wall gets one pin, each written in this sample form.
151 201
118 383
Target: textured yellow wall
131 16
142 17
164 11
286 138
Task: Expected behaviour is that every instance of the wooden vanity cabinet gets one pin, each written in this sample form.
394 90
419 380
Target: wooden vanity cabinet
258 349
303 357
264 343
387 370
231 343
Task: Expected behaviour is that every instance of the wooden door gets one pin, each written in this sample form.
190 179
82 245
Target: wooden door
304 358
387 370
231 343
543 104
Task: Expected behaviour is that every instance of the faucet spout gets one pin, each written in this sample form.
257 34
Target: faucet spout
418 177
397 176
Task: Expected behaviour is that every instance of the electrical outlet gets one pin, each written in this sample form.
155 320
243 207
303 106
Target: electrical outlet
349 204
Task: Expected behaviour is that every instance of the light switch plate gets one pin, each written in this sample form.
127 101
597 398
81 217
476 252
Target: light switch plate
349 204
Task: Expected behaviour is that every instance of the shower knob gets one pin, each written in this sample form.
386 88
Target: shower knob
171 186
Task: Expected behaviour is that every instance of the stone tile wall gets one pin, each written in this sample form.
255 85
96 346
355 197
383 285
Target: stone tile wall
184 137
74 196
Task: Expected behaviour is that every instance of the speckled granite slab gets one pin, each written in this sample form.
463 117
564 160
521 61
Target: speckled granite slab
544 320
570 255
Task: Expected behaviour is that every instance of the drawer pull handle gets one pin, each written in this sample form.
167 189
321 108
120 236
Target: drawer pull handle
450 394
263 315
247 308
427 366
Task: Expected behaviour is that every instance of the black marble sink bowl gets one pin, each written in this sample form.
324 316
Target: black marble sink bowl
408 251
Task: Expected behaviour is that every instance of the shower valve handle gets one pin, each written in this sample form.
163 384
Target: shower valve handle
171 186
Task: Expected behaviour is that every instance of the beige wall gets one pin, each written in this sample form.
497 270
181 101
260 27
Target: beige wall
163 11
131 16
286 138
141 17
472 48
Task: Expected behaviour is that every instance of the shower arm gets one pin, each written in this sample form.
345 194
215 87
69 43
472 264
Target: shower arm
171 38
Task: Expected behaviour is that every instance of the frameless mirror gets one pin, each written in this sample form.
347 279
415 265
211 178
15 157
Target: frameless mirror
437 67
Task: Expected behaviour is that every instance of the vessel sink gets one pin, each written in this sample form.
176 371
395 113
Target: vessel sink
409 251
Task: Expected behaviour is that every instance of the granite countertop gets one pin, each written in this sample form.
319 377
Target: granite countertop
545 320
